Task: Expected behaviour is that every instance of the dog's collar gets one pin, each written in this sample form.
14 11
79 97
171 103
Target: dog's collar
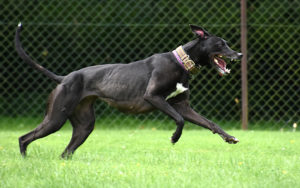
186 62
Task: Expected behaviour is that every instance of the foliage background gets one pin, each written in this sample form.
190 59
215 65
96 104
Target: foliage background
68 35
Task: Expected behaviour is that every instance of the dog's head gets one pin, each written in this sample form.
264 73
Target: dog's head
208 49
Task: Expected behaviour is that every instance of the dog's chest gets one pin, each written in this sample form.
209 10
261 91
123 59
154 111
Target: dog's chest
179 89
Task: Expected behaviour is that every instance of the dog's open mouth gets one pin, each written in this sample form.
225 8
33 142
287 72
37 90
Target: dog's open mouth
220 64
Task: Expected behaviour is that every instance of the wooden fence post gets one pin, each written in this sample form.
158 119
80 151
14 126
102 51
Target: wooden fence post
244 64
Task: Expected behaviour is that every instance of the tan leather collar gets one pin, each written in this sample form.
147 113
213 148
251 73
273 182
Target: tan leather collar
185 60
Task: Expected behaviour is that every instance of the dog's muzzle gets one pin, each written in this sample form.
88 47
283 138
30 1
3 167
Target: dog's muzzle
220 63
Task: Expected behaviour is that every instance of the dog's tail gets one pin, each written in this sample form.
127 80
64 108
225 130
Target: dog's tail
30 61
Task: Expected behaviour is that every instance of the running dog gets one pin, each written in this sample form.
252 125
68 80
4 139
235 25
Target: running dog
159 82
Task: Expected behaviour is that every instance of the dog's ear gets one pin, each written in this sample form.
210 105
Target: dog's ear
199 31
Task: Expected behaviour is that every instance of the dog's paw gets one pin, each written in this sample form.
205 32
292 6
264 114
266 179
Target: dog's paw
173 140
231 140
22 147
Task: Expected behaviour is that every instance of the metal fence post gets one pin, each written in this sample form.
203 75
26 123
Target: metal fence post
244 64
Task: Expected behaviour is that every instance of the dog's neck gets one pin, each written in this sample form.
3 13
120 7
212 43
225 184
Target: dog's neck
193 49
185 61
196 53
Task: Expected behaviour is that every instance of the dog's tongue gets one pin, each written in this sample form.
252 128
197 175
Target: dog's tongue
222 66
221 63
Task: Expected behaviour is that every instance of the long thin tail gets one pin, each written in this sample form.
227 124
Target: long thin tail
30 61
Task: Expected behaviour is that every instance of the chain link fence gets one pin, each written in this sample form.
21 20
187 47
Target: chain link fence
64 36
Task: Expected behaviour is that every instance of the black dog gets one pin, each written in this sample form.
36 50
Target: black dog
157 82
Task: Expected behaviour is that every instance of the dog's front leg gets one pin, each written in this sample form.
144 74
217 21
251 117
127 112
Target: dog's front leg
190 115
160 103
156 93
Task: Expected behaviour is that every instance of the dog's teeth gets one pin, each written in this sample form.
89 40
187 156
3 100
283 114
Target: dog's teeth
215 60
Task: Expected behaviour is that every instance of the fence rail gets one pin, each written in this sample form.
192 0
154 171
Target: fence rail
68 35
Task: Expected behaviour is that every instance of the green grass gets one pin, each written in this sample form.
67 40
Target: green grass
145 158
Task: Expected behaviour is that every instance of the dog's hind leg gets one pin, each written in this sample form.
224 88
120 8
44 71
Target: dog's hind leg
61 102
83 121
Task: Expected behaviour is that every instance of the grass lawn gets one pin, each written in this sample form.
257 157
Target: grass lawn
145 158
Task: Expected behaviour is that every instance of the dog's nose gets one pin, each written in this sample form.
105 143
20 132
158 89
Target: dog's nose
240 55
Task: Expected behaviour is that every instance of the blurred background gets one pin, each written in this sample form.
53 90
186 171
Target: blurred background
66 35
